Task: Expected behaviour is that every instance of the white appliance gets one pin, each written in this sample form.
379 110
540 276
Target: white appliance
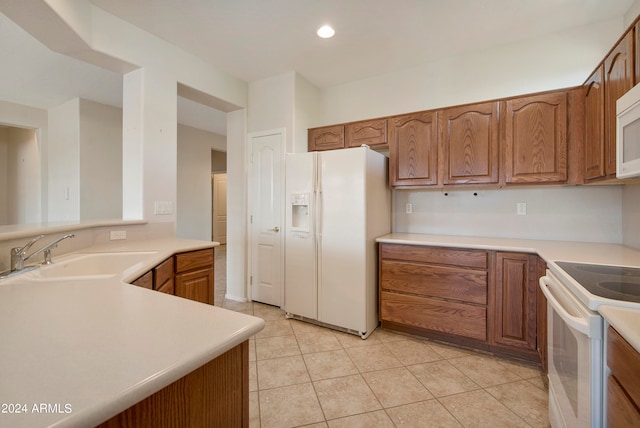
576 336
337 203
628 134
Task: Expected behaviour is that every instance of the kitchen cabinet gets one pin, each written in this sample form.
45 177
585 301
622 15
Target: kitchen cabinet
370 132
413 149
535 138
326 138
437 292
188 275
541 321
594 136
468 140
623 390
514 319
619 78
214 395
194 275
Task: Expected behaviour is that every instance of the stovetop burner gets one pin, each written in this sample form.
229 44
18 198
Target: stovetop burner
611 282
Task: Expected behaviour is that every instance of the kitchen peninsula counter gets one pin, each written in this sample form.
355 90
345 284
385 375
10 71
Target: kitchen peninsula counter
77 352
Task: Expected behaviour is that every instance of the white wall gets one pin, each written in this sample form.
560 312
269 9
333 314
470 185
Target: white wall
194 181
307 111
271 104
631 215
4 177
23 174
100 161
64 162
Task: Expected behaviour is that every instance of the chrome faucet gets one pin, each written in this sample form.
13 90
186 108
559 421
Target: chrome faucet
19 257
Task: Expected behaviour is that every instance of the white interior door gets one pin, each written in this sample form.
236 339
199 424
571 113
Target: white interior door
266 217
219 209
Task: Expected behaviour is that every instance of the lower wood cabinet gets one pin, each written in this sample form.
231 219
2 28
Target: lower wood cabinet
623 390
481 299
214 395
189 275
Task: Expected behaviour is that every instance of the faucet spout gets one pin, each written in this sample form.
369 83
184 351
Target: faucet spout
18 253
47 250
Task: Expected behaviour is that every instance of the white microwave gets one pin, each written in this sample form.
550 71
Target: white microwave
628 134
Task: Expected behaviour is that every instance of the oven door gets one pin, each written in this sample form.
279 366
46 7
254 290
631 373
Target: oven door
575 358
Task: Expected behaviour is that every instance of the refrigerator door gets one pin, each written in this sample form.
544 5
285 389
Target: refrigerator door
342 239
301 288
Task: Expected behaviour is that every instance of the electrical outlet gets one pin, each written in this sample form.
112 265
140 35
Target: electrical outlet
116 235
408 208
521 208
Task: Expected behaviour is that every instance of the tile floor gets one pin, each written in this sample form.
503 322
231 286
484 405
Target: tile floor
306 375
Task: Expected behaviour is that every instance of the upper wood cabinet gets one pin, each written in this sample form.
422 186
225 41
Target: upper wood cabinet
468 139
370 132
619 78
594 154
535 138
326 138
413 149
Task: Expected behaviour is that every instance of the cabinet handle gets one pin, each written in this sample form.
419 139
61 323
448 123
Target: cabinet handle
275 229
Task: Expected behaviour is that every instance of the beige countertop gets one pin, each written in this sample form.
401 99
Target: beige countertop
626 321
90 348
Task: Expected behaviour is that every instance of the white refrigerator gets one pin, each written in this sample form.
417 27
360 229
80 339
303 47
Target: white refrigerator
337 203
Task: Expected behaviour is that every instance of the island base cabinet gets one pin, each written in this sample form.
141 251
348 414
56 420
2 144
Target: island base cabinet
214 395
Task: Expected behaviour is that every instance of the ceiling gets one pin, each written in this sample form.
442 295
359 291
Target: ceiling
256 39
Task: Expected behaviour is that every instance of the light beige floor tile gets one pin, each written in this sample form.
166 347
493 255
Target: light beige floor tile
234 305
253 376
526 400
254 410
394 387
283 371
378 419
274 347
424 414
345 396
301 327
387 335
449 351
330 364
539 382
375 357
275 328
289 406
351 340
442 379
411 352
318 342
267 312
523 370
485 370
480 409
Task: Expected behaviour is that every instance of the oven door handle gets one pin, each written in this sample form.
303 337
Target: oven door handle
576 323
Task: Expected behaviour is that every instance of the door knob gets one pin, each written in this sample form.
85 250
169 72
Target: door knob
275 229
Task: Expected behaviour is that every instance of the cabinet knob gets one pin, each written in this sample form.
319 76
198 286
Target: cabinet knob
275 229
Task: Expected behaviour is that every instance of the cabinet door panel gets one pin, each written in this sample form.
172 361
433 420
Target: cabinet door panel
413 150
536 138
618 74
515 320
197 285
469 143
371 132
326 138
594 160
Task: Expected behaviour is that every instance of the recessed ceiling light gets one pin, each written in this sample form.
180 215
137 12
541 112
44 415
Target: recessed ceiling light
326 32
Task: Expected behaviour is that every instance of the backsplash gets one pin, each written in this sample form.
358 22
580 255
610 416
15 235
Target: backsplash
568 213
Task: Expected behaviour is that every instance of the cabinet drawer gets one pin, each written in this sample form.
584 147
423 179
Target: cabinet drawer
445 282
194 260
163 272
438 315
621 411
437 255
624 362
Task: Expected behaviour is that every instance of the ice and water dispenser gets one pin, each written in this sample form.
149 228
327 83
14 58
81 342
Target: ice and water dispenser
300 218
